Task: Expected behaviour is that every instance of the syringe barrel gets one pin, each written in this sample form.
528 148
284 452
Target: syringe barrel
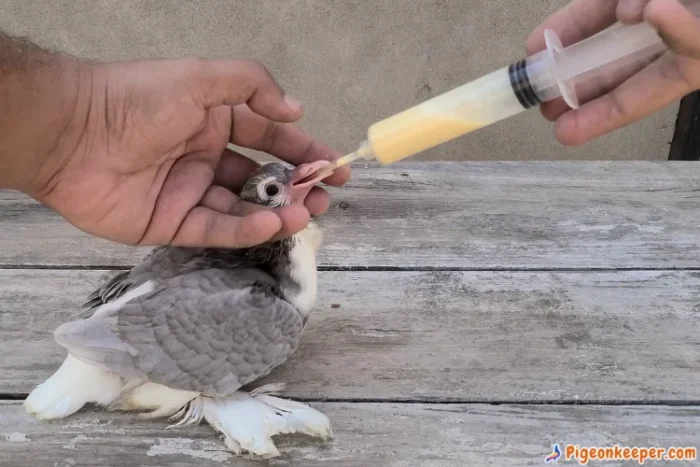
445 117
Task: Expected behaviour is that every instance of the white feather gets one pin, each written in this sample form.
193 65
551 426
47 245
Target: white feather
302 259
72 386
250 420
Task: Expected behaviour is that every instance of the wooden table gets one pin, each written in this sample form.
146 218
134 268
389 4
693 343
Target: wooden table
469 314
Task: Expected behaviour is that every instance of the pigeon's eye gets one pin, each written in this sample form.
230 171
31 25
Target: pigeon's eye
272 189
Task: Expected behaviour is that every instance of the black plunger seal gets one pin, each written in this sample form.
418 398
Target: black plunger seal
520 83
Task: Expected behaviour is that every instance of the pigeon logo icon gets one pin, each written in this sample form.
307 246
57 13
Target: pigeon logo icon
554 456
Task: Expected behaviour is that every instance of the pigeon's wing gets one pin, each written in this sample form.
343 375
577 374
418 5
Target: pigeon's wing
110 290
161 263
151 266
209 331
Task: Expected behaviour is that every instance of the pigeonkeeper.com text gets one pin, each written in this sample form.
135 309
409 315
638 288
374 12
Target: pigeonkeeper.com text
583 455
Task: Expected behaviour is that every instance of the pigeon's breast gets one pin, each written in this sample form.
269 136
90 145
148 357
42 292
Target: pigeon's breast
298 282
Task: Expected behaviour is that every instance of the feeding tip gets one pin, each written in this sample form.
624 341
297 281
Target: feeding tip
345 160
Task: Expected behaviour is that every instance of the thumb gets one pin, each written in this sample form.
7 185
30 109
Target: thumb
236 82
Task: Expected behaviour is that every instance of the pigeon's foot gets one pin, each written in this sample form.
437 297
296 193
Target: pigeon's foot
250 420
73 385
190 414
155 400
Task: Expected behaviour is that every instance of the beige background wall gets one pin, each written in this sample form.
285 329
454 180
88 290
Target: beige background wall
351 62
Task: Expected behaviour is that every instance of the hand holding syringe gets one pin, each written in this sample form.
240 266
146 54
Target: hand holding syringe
632 93
543 78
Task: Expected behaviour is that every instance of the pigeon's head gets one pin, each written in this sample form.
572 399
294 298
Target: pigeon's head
274 185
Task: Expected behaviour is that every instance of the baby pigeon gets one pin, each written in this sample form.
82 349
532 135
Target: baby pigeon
179 334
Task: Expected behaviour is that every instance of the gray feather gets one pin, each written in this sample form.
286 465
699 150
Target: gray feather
94 342
112 289
157 264
206 330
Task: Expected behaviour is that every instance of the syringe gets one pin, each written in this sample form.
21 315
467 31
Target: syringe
547 75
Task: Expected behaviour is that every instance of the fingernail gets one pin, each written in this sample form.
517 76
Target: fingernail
293 104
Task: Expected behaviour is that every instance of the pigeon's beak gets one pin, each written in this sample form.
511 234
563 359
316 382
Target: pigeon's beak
304 177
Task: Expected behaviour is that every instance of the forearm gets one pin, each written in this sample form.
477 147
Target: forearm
40 105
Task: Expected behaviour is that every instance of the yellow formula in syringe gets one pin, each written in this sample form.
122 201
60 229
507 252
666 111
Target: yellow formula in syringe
412 131
441 119
542 77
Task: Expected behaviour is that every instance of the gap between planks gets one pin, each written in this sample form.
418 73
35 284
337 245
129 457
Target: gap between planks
106 267
14 397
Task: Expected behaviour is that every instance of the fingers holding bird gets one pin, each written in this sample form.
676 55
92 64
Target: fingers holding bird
191 210
283 141
198 203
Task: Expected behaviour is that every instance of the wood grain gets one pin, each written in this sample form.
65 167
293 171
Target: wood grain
391 435
437 336
531 215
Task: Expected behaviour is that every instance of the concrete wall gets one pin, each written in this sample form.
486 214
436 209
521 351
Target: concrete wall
351 62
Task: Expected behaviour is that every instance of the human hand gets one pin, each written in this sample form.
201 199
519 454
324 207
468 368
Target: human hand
611 103
144 159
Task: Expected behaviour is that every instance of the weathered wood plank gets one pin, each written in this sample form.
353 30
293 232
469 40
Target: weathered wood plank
365 434
532 215
448 336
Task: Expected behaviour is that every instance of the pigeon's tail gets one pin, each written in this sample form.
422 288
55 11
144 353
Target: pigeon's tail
250 420
73 385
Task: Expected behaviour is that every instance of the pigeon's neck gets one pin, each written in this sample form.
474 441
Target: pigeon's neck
293 263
